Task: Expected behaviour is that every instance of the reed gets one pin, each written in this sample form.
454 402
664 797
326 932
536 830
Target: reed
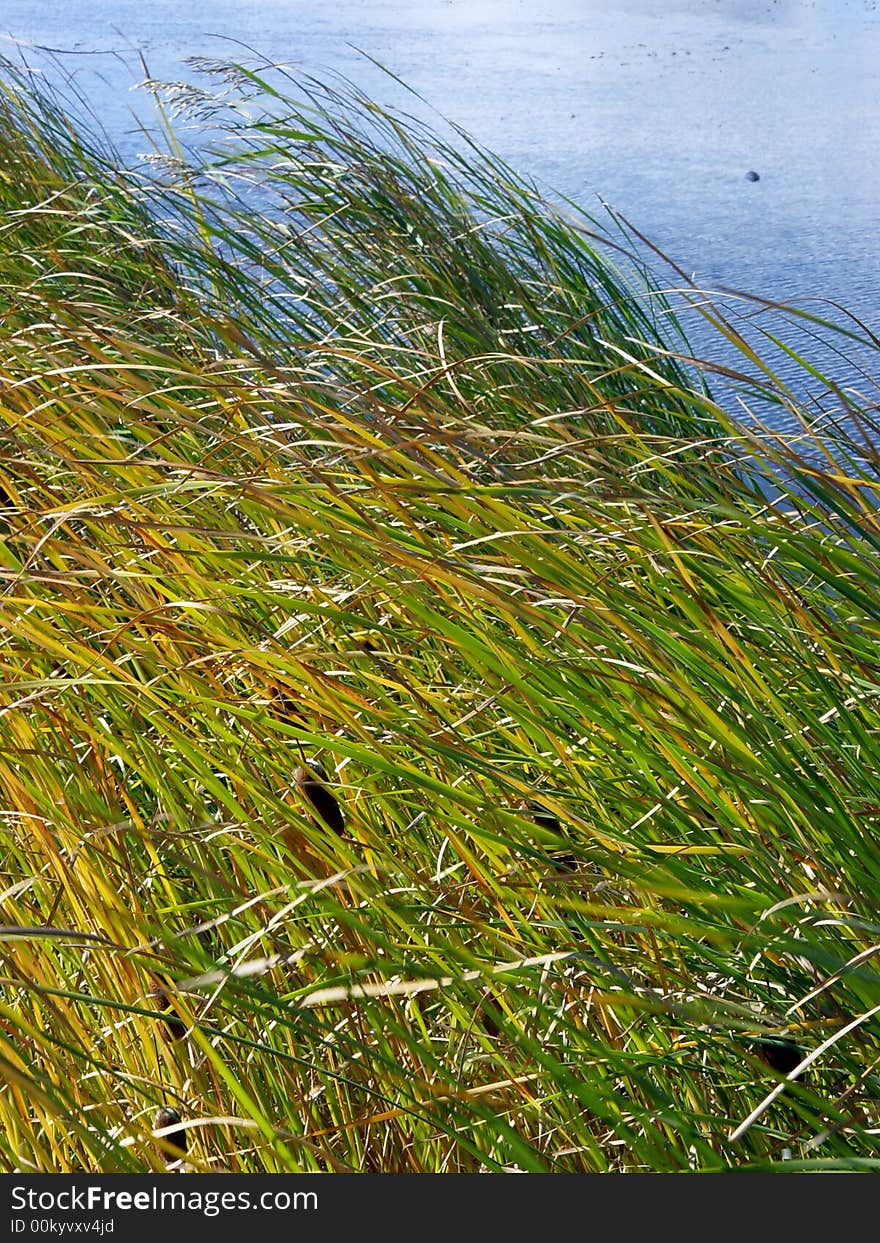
328 441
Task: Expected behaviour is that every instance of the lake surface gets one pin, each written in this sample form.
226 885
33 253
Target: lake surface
659 108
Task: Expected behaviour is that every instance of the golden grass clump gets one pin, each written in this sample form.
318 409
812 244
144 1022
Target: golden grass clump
333 438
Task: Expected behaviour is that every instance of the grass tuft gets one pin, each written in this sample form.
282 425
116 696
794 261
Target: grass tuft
438 713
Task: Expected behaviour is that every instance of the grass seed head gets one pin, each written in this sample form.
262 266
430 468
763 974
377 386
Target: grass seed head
168 1116
309 781
564 860
286 704
161 1000
779 1053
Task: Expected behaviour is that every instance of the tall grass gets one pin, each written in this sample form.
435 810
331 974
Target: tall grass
330 440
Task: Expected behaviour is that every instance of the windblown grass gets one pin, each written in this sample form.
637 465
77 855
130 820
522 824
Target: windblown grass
332 442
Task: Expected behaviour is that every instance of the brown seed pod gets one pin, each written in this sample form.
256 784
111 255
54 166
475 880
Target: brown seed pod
160 999
384 667
168 1116
286 704
545 819
487 1013
779 1052
309 782
563 859
299 710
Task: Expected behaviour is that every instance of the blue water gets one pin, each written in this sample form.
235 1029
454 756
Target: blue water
658 108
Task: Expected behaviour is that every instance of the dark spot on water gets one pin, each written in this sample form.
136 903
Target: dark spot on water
751 175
